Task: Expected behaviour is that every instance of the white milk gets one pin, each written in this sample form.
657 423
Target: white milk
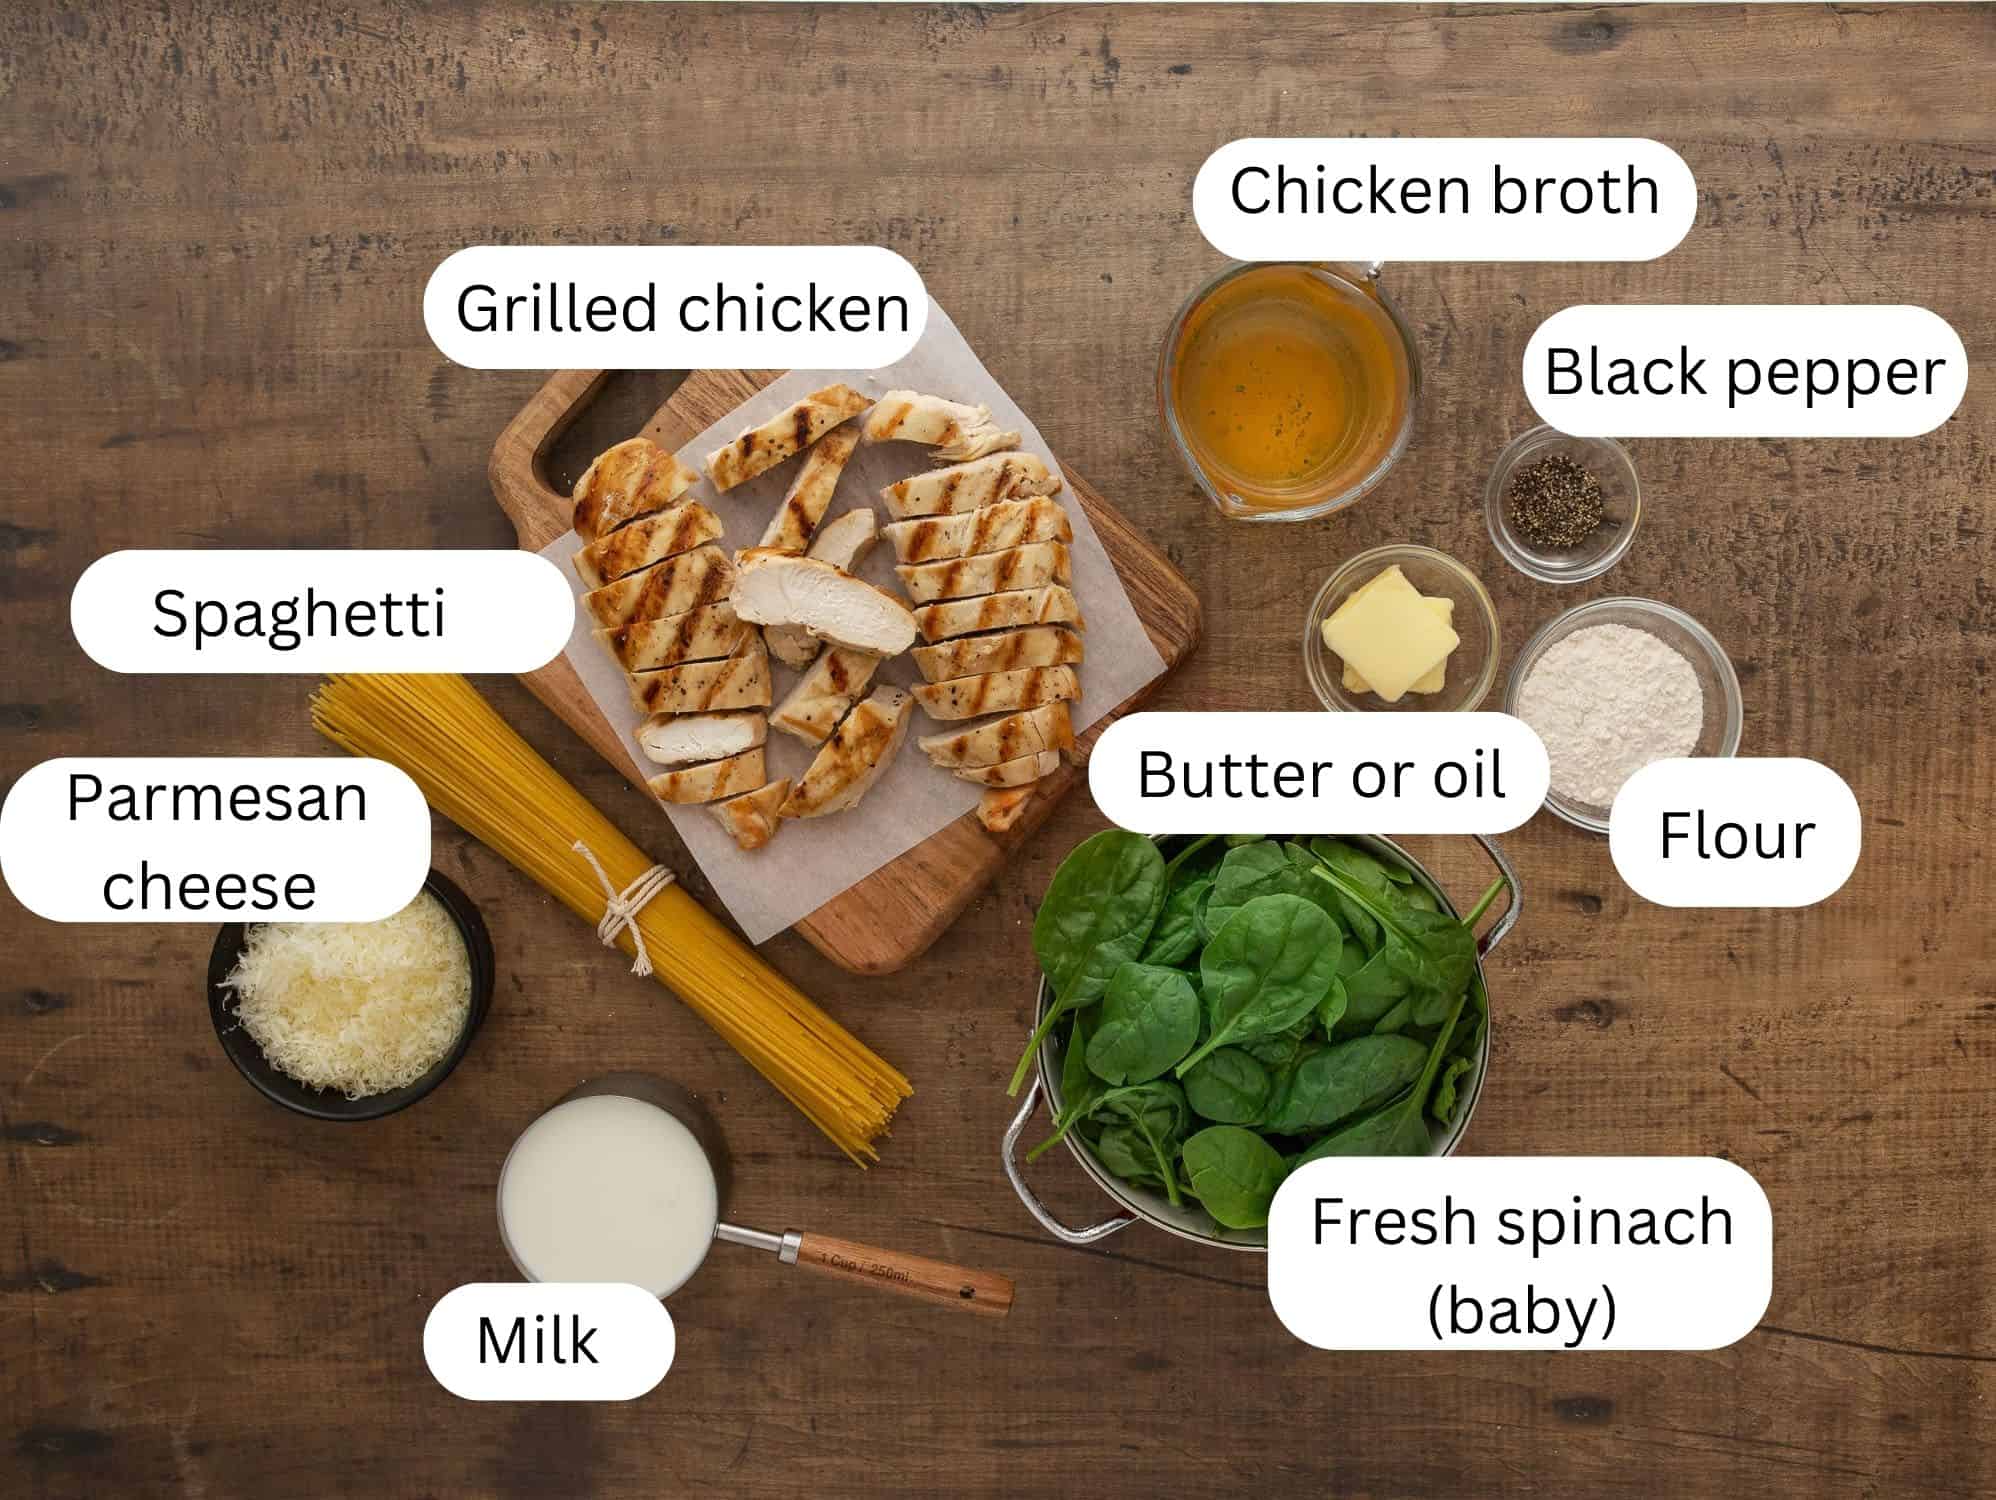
608 1189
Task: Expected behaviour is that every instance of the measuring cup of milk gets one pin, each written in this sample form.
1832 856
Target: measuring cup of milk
624 1178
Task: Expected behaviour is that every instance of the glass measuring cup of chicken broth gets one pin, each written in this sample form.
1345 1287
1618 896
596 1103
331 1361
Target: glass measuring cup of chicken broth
1288 389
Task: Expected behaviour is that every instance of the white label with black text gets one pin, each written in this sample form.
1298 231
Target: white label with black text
1838 370
312 610
675 307
1751 831
548 1341
1344 773
1520 1252
1467 198
214 839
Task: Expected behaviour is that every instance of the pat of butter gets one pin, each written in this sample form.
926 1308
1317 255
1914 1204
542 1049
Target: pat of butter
1437 678
1389 635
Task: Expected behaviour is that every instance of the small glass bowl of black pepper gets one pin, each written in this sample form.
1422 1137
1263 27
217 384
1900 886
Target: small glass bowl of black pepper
1562 509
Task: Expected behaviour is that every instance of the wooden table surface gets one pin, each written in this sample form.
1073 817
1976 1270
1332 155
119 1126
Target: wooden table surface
215 225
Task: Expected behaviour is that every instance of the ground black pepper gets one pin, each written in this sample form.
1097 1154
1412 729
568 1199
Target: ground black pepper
1554 502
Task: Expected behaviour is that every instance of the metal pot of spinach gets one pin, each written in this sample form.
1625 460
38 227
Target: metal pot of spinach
1216 1011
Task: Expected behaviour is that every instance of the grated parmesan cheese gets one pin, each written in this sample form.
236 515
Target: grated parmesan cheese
362 1007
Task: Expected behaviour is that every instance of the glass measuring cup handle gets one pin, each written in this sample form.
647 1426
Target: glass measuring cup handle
1368 270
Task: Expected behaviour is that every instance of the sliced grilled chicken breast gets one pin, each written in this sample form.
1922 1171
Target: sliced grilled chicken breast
791 430
680 583
1021 772
853 758
709 783
1000 808
682 739
846 539
997 692
810 493
954 431
835 682
794 647
634 478
740 681
774 588
1029 567
645 542
1037 729
1047 606
842 543
694 635
965 487
751 817
1009 523
973 656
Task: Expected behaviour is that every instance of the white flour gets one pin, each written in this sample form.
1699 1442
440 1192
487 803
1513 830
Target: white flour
1607 701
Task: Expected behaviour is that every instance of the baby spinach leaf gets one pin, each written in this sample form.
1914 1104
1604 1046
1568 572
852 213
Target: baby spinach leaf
1430 951
1371 991
1369 1135
1126 1154
1177 935
1467 1041
1266 969
1160 1103
1353 956
1252 870
1442 1107
1397 1018
1234 1173
1451 948
1278 1050
1229 1086
1079 1088
1154 1114
1149 1019
1098 913
1162 1097
1303 862
1330 1084
1331 1009
1357 865
1198 853
1460 1060
1346 855
1399 1128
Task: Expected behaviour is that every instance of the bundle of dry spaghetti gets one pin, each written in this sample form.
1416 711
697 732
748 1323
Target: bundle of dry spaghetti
479 773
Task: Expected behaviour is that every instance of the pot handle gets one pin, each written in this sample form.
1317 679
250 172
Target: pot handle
1513 908
1028 1197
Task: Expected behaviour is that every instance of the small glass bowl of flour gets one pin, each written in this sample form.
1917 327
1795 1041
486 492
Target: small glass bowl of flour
1613 685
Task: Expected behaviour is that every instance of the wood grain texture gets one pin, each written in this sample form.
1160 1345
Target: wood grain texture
218 219
886 920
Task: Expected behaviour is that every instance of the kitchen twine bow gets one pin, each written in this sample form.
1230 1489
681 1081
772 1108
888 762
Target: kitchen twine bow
621 911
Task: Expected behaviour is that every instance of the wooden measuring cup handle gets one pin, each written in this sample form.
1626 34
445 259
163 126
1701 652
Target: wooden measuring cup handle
917 1276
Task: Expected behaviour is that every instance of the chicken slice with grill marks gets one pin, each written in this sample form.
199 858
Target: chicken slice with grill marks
953 430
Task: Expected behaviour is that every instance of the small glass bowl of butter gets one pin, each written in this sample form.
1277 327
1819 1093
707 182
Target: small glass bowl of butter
1404 628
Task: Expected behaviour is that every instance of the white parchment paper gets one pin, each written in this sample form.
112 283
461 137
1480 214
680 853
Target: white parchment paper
812 860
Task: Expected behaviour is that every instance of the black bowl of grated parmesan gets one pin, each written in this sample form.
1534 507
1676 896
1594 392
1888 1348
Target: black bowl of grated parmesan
353 1020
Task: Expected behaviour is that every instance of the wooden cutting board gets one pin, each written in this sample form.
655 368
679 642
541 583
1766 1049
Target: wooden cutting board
892 916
